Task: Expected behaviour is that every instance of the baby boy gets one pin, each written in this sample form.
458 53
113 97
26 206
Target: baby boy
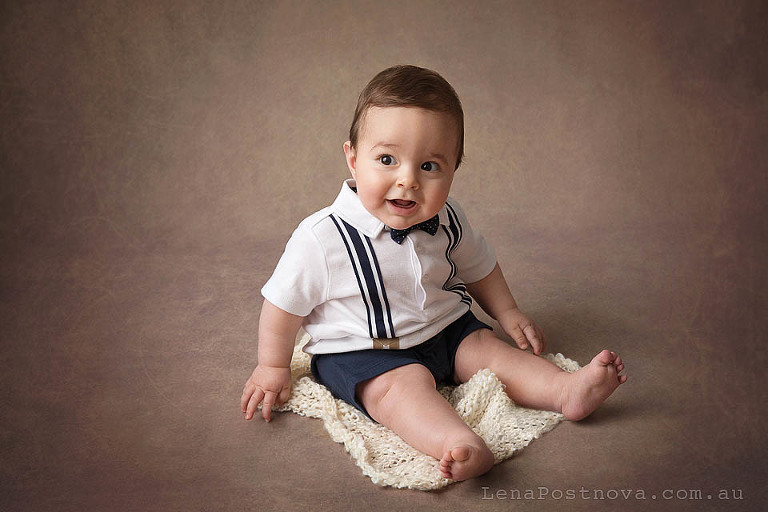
383 279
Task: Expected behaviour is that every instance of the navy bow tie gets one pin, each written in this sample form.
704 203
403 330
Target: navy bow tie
430 226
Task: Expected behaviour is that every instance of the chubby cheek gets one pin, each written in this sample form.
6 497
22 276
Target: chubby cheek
371 198
437 198
371 190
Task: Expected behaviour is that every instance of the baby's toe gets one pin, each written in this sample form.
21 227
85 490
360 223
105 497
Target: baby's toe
604 358
461 453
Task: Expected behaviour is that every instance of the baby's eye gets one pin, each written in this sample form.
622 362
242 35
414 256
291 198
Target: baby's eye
386 160
429 166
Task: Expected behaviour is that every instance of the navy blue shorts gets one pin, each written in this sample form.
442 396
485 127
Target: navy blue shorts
341 373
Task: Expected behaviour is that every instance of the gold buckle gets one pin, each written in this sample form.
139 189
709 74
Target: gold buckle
386 343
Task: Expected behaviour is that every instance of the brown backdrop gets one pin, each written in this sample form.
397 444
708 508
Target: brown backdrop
155 157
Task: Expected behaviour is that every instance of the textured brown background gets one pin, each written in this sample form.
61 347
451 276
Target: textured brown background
155 157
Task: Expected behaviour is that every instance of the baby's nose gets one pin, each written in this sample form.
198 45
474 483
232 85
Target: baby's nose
408 179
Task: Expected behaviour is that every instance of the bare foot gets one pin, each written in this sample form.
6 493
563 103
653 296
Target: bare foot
466 461
587 388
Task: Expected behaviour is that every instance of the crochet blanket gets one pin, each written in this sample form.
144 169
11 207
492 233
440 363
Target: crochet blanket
386 459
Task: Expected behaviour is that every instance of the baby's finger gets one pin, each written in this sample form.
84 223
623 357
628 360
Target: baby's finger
533 338
519 337
266 406
247 393
253 403
284 395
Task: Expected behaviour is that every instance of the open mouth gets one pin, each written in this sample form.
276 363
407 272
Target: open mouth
402 203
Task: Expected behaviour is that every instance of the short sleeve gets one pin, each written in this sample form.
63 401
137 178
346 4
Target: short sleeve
300 280
474 257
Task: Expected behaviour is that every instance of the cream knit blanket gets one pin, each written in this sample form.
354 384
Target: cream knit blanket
386 459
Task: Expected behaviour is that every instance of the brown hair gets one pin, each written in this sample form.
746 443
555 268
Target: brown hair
409 86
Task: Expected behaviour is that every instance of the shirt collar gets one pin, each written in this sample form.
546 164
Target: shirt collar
351 209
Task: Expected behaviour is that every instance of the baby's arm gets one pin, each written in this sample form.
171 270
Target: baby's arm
270 381
493 295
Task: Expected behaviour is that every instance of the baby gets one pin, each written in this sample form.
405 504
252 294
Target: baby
383 279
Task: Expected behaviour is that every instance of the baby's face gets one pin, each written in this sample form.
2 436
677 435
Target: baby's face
404 163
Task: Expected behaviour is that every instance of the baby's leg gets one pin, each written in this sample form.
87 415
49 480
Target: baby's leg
405 400
534 382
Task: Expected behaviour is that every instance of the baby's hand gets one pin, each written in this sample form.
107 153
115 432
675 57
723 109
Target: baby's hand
269 384
523 330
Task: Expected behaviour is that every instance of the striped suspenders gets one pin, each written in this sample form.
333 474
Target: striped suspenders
455 232
371 283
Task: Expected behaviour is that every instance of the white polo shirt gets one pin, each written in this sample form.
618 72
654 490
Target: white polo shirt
358 289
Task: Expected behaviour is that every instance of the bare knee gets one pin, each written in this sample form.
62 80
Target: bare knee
379 393
476 352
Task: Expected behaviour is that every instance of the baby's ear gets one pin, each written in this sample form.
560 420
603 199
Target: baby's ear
349 153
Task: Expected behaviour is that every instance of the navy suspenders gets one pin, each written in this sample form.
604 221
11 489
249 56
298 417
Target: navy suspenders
371 283
369 279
